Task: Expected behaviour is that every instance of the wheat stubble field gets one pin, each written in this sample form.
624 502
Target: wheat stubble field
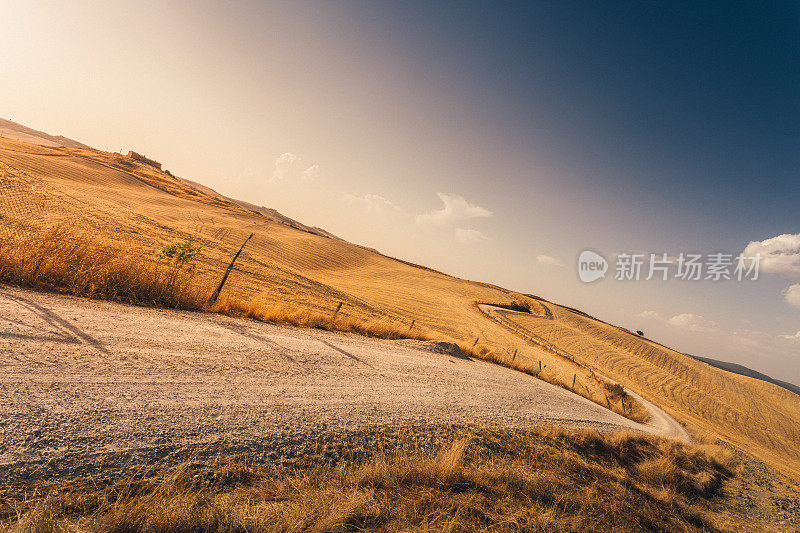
284 264
281 263
82 195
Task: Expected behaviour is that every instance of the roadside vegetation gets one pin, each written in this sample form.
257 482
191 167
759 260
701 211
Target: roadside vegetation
61 260
264 310
464 479
67 261
585 382
522 307
141 210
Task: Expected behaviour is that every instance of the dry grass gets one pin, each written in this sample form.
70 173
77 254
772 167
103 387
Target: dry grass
473 479
66 261
297 268
264 310
760 417
62 260
584 383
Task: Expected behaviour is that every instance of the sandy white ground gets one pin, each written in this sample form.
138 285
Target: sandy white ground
98 383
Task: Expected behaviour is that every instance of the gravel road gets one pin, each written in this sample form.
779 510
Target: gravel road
659 420
90 387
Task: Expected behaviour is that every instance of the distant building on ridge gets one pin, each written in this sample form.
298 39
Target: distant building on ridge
143 159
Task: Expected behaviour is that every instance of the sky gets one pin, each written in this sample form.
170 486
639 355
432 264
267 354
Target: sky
494 142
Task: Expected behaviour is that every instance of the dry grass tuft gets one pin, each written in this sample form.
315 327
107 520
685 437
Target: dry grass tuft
264 310
479 479
66 261
63 261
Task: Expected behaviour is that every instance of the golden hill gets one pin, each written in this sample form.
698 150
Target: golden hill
136 208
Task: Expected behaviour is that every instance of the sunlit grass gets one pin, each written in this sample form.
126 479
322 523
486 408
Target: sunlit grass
498 480
283 265
72 262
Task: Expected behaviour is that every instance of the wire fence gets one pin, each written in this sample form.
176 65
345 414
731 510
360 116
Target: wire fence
33 208
76 199
29 206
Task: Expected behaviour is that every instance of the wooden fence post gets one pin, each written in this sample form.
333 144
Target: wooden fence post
218 290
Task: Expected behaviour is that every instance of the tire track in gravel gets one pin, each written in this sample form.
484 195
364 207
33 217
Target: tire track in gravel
144 385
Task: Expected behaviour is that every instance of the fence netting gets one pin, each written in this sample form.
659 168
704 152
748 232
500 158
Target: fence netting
33 210
75 199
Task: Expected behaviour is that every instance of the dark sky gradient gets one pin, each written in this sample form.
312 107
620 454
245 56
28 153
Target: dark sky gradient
693 106
642 126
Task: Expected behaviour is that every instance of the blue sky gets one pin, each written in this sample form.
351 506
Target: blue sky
663 128
492 141
691 110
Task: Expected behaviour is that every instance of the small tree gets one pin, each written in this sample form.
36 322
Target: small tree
178 256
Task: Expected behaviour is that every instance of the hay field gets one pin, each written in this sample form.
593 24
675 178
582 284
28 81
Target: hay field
761 418
139 209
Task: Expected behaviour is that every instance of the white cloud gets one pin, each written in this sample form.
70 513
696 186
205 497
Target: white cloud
311 173
372 203
693 322
779 255
795 337
470 235
288 166
285 165
549 260
455 209
792 295
655 315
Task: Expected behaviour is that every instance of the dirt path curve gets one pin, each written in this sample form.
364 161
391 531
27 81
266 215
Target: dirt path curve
89 385
659 420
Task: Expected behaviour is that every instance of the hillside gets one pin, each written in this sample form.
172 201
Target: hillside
125 204
749 372
156 178
12 130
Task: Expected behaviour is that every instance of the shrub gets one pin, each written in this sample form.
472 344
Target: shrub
523 307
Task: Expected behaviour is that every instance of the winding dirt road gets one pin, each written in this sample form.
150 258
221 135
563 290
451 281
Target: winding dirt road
659 419
89 385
